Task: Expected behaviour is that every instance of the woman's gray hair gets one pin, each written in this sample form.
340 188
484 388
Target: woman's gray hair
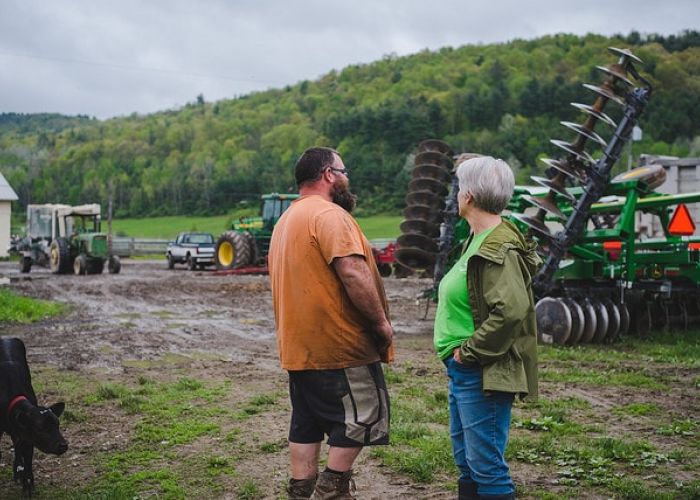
489 181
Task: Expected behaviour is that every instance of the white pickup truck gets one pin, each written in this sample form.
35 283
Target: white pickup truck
194 249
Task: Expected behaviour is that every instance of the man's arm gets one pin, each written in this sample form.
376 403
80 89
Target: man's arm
356 277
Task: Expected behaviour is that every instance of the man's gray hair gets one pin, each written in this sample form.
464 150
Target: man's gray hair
489 181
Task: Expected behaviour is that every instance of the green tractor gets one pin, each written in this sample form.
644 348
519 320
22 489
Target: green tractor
66 238
247 243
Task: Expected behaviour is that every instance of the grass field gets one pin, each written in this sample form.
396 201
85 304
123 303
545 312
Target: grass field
18 309
377 226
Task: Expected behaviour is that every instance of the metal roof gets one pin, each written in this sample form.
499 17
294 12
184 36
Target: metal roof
6 192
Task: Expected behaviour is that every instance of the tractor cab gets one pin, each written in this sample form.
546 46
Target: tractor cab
273 206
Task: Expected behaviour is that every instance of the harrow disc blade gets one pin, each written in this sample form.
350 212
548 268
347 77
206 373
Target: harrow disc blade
563 167
426 198
653 176
415 240
602 321
546 205
624 318
581 155
427 184
548 183
420 227
616 72
603 92
435 145
414 258
588 134
433 158
613 321
423 212
594 112
537 226
428 171
553 320
577 321
590 323
624 54
659 315
641 319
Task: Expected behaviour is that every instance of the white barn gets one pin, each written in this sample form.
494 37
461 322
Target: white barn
7 196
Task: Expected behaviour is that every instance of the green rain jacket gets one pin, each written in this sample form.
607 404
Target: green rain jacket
499 278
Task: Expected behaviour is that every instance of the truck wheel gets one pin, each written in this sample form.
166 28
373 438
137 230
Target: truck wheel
171 262
192 263
80 265
59 256
114 265
25 264
232 251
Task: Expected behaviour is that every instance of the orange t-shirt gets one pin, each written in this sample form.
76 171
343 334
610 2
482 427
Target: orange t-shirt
318 327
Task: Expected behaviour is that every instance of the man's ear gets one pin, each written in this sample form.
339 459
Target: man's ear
57 409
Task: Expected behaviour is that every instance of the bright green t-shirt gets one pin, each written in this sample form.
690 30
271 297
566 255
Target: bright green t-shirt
453 320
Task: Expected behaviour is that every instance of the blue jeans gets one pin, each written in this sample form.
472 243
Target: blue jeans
479 425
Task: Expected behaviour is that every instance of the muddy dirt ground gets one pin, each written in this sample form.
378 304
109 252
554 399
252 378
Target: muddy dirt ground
159 323
204 325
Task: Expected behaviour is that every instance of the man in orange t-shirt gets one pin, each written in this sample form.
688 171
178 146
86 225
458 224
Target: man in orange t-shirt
332 325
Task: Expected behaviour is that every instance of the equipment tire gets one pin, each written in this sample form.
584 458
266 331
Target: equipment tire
59 256
252 244
384 270
191 263
25 264
232 251
80 265
95 266
171 262
114 265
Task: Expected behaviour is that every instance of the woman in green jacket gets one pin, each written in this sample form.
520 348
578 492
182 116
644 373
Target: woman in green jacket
485 330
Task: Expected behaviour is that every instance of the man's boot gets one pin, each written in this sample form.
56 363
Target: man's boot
467 490
300 489
334 486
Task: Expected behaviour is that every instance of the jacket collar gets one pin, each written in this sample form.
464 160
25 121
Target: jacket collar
506 236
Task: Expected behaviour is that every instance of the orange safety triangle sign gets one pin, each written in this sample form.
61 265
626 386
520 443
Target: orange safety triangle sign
681 222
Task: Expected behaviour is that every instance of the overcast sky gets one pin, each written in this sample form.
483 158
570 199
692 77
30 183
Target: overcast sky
110 58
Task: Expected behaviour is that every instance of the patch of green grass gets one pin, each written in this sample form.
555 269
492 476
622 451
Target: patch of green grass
636 409
249 490
273 446
377 226
19 309
257 404
679 428
602 377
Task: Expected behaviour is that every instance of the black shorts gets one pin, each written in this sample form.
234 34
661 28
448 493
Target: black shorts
349 405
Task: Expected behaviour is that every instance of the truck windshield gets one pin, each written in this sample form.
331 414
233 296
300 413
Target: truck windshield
201 238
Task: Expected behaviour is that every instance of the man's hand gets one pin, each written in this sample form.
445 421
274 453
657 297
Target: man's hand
455 355
385 337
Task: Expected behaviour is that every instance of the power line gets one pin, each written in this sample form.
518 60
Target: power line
138 68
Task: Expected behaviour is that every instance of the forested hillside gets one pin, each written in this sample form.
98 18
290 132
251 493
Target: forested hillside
500 99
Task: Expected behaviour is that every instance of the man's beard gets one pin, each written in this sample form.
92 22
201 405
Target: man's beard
342 196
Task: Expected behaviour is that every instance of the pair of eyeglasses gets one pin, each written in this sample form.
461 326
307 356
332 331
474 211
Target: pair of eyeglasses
339 170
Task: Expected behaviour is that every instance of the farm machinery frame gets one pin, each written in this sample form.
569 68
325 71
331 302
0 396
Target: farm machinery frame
600 279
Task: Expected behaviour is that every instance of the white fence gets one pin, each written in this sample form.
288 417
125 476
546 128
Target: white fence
126 247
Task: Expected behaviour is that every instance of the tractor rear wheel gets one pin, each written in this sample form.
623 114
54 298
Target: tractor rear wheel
253 247
25 264
59 256
232 251
80 265
114 265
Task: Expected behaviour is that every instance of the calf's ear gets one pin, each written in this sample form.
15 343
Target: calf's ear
57 408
